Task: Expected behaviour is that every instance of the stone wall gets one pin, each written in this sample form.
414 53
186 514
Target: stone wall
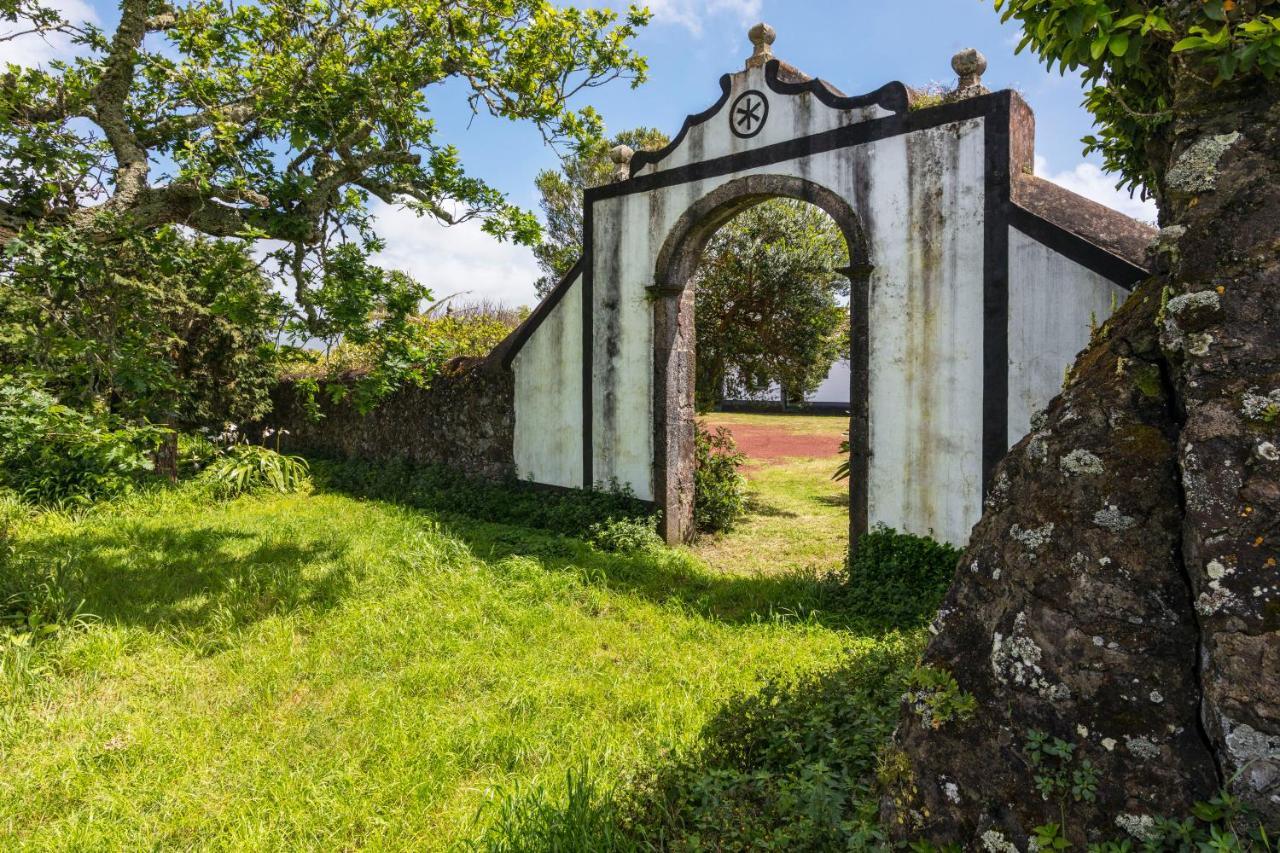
465 420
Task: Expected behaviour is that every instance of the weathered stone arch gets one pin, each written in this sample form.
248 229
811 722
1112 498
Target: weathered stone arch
984 282
673 337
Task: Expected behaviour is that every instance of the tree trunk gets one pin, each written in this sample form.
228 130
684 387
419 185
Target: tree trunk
1121 590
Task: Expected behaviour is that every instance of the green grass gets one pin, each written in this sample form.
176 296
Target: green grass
797 518
317 671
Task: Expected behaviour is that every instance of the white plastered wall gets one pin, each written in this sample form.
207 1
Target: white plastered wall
1053 304
921 198
548 396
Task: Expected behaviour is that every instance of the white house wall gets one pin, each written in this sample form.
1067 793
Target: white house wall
1053 303
548 397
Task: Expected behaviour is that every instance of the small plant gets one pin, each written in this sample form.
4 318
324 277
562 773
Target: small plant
719 491
899 580
844 469
248 468
791 766
626 535
528 821
937 699
53 454
1058 776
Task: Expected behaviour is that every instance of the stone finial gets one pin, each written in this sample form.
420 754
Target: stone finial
621 156
969 66
762 36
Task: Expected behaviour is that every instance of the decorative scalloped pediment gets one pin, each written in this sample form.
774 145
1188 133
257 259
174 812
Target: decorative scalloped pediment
764 105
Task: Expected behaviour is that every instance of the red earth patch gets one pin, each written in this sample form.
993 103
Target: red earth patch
764 444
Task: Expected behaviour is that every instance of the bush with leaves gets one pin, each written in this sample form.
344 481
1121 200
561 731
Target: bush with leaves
247 468
898 580
789 767
53 454
719 491
626 535
166 327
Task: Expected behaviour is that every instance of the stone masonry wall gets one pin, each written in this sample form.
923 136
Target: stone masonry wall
464 420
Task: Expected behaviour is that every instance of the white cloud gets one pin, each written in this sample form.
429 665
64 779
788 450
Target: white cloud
1091 182
33 50
455 259
692 14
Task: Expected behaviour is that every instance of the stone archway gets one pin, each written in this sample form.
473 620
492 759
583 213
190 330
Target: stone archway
984 284
673 339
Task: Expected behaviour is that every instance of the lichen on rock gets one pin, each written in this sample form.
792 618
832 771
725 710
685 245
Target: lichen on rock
1196 170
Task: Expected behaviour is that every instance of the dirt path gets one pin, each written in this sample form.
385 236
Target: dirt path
774 438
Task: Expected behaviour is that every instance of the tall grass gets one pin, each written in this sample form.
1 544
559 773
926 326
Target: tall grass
319 671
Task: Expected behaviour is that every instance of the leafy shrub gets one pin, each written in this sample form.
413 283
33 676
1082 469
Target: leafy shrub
586 821
626 535
898 580
719 491
195 453
435 488
790 767
248 468
53 454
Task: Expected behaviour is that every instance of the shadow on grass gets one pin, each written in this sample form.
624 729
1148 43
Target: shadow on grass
671 577
185 579
789 765
760 507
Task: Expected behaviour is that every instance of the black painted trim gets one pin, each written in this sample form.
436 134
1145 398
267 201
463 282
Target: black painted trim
995 289
644 158
999 214
1075 247
588 343
514 342
871 130
890 96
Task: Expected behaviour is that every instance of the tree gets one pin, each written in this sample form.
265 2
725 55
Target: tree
283 120
1116 611
167 328
767 304
561 200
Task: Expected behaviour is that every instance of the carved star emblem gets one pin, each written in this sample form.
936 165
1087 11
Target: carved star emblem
748 114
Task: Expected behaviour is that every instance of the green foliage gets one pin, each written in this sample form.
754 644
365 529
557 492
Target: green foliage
896 579
719 491
568 512
398 661
1059 775
788 767
844 469
560 191
935 697
163 327
247 468
413 355
768 305
626 535
527 821
1126 51
283 120
53 454
1219 824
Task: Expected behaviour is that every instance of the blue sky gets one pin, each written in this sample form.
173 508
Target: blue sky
857 45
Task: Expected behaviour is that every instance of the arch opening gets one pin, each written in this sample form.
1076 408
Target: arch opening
675 355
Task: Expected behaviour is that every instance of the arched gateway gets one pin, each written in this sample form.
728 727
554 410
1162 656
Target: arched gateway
974 284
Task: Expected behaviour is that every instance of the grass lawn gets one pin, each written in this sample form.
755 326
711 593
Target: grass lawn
318 671
798 516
